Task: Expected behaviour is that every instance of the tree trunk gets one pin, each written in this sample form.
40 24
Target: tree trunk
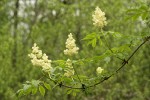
14 51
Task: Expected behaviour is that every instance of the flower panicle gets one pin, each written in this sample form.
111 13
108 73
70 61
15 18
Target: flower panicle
99 18
69 69
40 59
71 47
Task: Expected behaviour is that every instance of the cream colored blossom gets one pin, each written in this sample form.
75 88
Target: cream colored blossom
37 62
99 18
39 59
69 63
35 48
99 70
39 55
71 46
69 71
47 67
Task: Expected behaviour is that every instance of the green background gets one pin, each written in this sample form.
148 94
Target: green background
48 23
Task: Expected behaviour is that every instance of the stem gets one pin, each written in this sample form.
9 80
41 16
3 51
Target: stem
108 46
77 74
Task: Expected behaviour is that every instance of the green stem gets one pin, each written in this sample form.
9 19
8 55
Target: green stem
77 74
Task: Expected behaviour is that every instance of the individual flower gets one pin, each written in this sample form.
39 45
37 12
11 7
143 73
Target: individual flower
99 18
69 71
99 70
71 46
40 59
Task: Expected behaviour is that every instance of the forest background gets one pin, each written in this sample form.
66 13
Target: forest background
48 23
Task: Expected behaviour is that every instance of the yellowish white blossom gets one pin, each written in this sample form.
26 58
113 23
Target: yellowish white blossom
69 68
71 46
69 63
99 70
39 59
69 73
99 18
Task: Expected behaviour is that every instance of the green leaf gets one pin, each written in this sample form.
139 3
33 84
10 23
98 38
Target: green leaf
103 56
94 42
115 34
90 36
20 92
145 15
121 49
42 90
74 93
61 63
135 13
26 87
100 42
135 17
34 90
92 39
69 91
47 86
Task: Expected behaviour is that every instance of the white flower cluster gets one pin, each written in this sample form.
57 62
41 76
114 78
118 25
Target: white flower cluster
99 18
99 70
69 68
39 59
71 46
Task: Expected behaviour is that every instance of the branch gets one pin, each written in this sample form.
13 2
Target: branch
107 77
123 64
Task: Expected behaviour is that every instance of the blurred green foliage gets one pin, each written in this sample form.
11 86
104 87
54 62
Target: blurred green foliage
48 22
